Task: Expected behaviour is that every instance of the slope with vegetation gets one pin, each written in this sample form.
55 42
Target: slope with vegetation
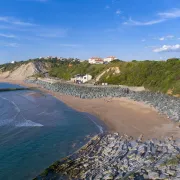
161 76
154 75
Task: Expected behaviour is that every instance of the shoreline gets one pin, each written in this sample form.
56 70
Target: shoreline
121 115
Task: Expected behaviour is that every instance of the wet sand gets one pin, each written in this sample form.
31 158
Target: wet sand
120 114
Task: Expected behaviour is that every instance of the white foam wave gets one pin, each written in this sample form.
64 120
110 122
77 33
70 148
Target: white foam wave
5 122
100 127
48 113
12 102
12 121
28 123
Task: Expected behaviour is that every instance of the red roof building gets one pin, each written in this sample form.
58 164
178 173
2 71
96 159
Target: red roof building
96 60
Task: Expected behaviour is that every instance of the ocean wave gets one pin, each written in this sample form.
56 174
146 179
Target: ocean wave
28 123
99 127
48 113
11 102
5 122
13 122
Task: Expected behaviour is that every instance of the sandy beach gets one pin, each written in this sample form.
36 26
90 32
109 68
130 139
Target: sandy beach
119 114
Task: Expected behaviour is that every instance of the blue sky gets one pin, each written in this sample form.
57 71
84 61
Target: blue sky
127 29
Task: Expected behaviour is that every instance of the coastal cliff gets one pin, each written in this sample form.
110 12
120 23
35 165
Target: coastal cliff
22 71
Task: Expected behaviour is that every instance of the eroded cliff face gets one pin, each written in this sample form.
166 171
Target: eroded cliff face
24 71
115 70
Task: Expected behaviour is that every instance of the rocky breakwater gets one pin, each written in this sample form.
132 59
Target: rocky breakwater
165 104
110 156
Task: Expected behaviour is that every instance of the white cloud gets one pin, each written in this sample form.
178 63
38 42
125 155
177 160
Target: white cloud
8 36
166 37
174 13
162 39
139 23
12 20
12 45
168 48
39 31
143 40
107 7
161 17
170 36
23 23
118 12
4 19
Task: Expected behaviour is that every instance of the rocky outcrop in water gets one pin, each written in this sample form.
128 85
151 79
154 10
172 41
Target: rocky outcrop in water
110 156
165 104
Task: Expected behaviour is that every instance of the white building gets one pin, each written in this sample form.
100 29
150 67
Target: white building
109 59
81 78
12 62
96 60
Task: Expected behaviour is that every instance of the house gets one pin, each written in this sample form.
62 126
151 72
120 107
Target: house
81 78
109 59
96 60
12 62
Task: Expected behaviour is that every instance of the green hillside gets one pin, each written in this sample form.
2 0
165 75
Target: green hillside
153 75
66 70
162 76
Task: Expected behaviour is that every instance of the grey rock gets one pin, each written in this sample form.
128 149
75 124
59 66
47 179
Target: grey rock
162 176
108 177
153 175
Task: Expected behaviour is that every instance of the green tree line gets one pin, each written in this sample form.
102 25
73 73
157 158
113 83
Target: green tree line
153 75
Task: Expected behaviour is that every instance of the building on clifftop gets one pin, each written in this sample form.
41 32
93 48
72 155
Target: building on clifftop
96 60
109 59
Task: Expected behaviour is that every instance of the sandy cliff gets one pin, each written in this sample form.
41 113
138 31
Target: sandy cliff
24 71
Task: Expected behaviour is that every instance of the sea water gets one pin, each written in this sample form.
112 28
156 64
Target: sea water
36 130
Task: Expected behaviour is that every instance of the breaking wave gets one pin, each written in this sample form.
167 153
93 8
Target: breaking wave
28 123
5 122
101 129
22 122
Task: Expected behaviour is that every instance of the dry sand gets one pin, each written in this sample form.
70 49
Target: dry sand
120 114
